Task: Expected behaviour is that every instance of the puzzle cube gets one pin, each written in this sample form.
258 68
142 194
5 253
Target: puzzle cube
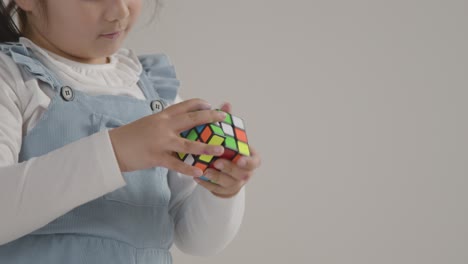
229 133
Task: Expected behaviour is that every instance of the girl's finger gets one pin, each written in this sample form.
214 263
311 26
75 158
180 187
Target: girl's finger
190 105
250 163
208 185
185 146
226 107
217 189
190 120
220 178
174 163
232 169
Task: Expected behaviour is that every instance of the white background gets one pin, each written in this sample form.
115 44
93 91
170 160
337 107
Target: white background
359 109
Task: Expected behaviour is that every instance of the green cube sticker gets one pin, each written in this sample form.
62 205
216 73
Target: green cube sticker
230 143
217 130
228 119
192 135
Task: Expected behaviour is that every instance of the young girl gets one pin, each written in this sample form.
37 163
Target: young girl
88 132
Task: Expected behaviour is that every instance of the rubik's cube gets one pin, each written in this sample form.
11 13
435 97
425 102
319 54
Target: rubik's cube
229 133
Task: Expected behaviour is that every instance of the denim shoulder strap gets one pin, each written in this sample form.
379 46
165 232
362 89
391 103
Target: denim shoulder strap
23 56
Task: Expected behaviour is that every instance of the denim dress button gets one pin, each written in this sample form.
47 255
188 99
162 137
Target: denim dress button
157 106
67 93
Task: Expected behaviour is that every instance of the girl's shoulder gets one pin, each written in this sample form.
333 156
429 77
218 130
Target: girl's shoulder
13 77
9 70
8 64
160 71
157 63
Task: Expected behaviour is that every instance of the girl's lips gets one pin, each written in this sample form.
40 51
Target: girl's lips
112 35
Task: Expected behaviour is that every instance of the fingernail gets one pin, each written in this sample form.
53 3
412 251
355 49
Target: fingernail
198 173
219 150
219 165
222 114
242 162
206 107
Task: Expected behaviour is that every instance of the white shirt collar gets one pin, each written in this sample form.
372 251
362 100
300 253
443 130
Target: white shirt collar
122 72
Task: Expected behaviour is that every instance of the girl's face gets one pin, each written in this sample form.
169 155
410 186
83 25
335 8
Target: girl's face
76 29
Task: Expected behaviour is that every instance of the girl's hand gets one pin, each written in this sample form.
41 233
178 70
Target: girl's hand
154 139
230 177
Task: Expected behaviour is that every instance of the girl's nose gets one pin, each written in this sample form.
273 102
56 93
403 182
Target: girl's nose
117 10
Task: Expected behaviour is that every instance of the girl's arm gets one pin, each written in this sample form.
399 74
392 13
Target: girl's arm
37 191
204 224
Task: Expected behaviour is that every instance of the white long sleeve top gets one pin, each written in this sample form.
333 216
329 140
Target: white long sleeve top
204 223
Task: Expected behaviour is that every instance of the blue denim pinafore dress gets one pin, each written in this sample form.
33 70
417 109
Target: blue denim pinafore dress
131 225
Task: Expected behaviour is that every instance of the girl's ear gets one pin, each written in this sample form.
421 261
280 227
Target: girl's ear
26 5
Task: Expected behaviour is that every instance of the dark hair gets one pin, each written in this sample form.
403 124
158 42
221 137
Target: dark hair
9 31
